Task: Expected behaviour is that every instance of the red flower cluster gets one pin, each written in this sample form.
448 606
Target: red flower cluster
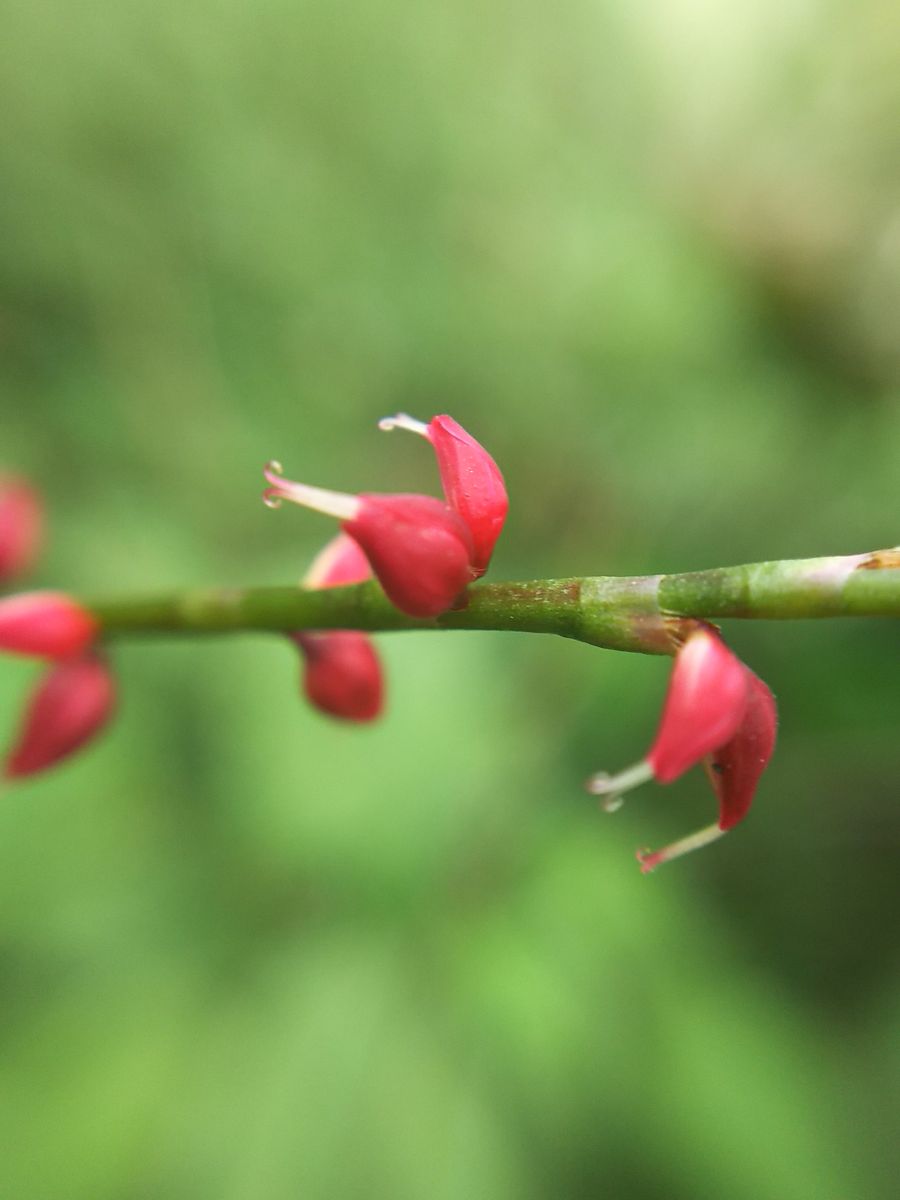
75 697
716 712
423 552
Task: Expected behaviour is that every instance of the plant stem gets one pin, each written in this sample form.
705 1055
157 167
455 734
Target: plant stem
649 614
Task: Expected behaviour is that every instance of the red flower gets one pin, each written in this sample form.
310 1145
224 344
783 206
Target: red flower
473 485
342 672
419 549
71 704
45 624
716 712
21 527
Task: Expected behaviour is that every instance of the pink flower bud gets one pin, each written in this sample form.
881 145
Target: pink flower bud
71 704
342 675
21 527
472 482
419 549
45 624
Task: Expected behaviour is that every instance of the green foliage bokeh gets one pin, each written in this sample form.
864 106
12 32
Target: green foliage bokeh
648 254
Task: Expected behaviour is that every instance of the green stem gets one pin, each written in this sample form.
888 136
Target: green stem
644 613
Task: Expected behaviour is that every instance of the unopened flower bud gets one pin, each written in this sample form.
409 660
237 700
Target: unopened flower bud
21 527
419 549
70 706
342 673
472 482
45 625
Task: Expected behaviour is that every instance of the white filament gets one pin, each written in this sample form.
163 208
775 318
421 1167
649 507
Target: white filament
333 504
403 421
613 787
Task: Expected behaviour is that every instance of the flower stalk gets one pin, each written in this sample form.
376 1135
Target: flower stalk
645 614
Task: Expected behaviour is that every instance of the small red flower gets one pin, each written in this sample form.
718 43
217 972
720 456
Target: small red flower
472 482
342 672
716 712
45 624
71 704
21 527
419 549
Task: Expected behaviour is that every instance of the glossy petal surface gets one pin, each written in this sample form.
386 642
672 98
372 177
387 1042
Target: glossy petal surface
706 701
472 483
419 549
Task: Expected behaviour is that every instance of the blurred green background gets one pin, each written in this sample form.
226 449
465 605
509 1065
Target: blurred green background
648 253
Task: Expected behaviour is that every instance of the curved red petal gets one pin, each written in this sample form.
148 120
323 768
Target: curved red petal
734 769
706 701
472 483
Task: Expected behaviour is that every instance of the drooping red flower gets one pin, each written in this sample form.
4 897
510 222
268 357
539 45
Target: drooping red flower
21 527
419 549
45 625
472 482
71 704
718 712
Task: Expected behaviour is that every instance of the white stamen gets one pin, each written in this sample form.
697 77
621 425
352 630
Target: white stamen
613 787
333 504
403 421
